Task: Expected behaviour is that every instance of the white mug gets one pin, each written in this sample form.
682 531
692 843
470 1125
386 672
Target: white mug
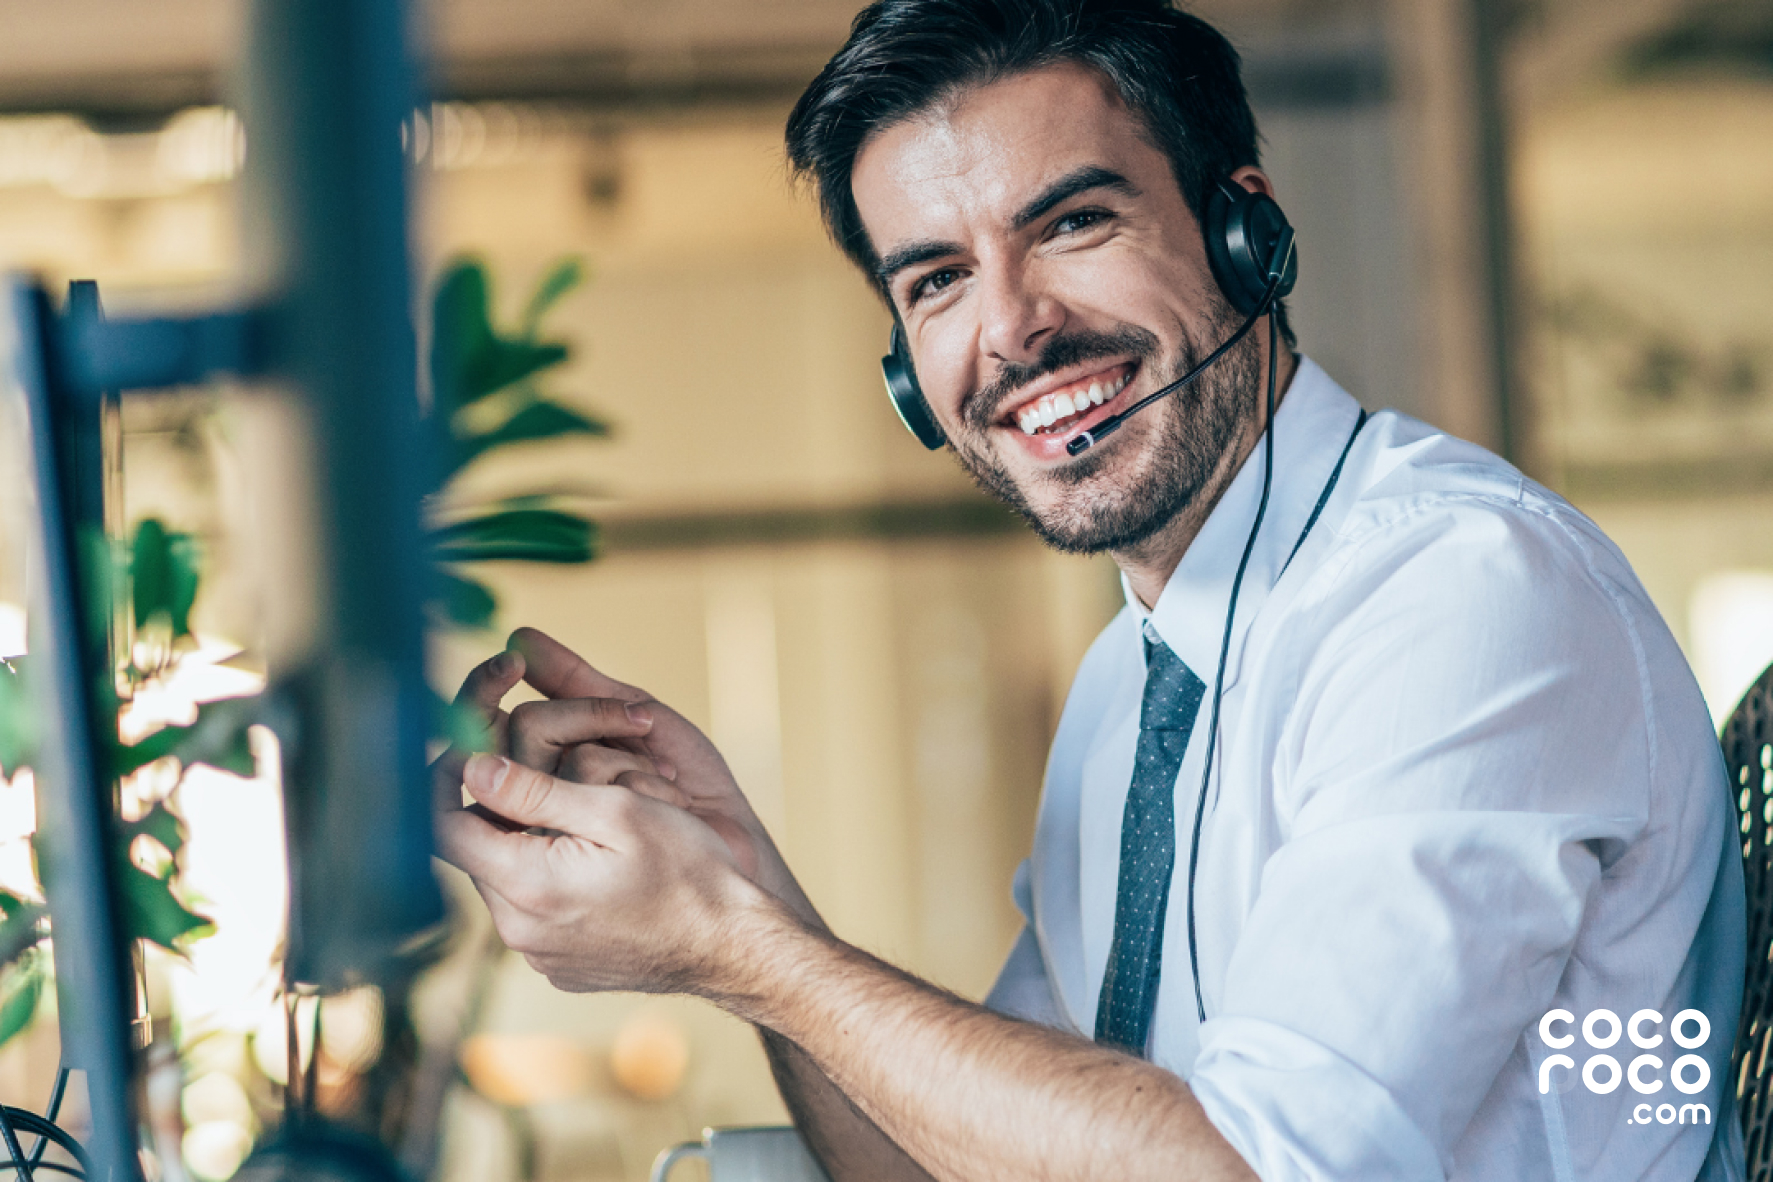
763 1154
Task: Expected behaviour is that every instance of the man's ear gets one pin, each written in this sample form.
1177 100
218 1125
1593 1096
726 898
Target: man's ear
1255 180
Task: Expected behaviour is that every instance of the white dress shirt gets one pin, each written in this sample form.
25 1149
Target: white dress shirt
1464 777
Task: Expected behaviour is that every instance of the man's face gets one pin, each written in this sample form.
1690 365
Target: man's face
1049 274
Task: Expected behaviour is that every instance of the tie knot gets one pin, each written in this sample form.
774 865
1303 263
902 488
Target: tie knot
1172 691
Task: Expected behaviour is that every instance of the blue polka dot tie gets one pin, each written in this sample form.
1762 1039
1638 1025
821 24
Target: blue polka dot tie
1147 849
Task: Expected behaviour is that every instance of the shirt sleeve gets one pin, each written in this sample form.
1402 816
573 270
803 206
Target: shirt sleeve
1024 989
1466 755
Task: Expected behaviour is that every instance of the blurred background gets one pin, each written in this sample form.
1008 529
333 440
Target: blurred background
1544 225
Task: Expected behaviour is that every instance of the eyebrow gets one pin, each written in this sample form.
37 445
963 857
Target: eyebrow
1070 185
1060 191
910 255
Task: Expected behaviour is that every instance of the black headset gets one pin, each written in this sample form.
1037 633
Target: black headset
1242 233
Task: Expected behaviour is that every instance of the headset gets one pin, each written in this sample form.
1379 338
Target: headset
1249 245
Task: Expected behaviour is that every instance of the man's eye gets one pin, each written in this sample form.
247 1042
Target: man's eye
1079 220
932 283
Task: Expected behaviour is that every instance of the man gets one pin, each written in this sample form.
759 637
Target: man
1335 917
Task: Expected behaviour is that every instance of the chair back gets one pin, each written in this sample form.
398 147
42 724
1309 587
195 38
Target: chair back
1748 753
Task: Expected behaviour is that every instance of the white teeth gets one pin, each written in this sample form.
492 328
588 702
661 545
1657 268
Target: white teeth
1055 407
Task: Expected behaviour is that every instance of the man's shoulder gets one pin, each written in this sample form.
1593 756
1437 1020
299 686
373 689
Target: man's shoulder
1419 493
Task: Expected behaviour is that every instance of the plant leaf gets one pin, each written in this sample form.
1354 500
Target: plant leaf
462 726
164 570
463 602
220 737
22 988
18 719
184 571
519 535
150 571
21 930
461 329
160 824
534 423
153 913
565 275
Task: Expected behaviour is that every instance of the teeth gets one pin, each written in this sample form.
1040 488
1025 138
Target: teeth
1054 408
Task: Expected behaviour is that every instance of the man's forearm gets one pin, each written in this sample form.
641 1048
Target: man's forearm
849 1145
963 1092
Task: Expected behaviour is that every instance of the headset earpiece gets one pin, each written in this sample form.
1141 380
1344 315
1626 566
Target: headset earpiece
1242 231
907 395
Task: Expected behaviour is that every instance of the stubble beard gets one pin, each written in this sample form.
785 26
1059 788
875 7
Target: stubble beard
1106 501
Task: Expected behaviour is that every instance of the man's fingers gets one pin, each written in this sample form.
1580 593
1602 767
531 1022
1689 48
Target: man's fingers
594 763
558 672
479 848
534 799
488 682
647 784
539 731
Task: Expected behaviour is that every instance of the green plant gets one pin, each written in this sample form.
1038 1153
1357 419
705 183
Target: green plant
486 397
161 570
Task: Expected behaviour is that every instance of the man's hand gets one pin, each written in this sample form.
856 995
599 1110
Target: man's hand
624 890
587 732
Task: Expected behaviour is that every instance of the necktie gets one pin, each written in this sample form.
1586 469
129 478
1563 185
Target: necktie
1147 848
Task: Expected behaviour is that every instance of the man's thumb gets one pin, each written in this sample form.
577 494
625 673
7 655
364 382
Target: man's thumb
517 793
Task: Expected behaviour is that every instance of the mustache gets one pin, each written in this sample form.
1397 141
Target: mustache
982 407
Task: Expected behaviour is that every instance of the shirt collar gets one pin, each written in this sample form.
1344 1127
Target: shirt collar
1312 426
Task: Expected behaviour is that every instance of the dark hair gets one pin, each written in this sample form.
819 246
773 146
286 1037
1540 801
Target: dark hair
1174 71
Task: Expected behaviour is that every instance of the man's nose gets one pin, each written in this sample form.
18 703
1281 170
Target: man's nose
1016 317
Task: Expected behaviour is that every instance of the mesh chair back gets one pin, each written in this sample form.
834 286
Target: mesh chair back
1748 752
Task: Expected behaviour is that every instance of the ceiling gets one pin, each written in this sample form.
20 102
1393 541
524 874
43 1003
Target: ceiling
125 61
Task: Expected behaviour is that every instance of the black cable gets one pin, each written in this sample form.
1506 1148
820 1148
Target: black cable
30 1122
1200 807
13 1148
55 1107
56 1167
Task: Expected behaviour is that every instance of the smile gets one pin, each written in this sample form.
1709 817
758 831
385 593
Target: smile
1053 411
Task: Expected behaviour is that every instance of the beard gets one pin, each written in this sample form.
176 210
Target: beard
1092 509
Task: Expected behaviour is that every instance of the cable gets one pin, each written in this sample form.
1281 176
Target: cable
1200 807
30 1122
55 1107
56 1167
12 1144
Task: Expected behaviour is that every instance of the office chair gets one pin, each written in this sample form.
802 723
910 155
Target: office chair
1748 753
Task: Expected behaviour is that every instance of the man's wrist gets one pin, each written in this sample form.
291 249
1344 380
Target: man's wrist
763 937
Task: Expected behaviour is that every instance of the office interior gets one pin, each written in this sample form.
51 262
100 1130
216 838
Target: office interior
1547 228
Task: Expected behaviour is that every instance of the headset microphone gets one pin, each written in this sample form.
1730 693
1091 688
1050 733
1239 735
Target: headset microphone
1279 263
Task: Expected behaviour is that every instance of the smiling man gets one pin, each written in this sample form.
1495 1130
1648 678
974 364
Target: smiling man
1387 777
